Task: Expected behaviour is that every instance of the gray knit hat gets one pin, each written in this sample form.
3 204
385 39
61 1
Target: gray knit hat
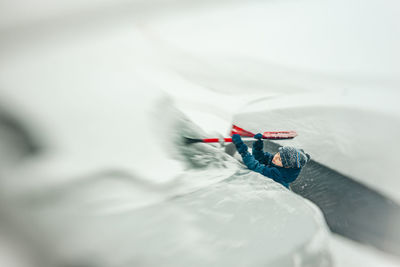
292 157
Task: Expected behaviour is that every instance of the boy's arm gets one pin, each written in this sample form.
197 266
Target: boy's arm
258 150
253 164
256 166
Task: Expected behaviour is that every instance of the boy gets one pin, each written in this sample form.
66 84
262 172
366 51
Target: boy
284 167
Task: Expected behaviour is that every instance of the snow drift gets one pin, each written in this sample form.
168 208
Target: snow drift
114 184
215 212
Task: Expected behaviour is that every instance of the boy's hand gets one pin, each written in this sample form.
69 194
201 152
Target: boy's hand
258 145
240 146
237 140
258 136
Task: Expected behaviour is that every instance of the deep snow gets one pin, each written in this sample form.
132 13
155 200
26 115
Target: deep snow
107 99
114 173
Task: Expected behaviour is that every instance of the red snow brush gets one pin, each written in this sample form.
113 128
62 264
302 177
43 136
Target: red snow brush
274 135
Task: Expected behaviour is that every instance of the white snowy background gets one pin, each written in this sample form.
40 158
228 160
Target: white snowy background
108 88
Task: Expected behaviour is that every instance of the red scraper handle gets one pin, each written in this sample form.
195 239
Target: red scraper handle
272 135
267 135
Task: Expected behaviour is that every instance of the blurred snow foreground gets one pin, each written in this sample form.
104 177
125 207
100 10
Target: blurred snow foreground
212 212
111 182
90 211
94 171
115 185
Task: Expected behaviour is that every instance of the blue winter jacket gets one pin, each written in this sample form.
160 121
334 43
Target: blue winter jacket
261 162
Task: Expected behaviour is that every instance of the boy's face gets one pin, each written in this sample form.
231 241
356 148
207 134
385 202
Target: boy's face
277 160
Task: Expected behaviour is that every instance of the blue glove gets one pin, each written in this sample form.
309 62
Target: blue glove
258 136
237 140
242 148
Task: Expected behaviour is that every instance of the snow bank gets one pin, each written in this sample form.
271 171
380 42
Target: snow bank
239 220
115 184
215 212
